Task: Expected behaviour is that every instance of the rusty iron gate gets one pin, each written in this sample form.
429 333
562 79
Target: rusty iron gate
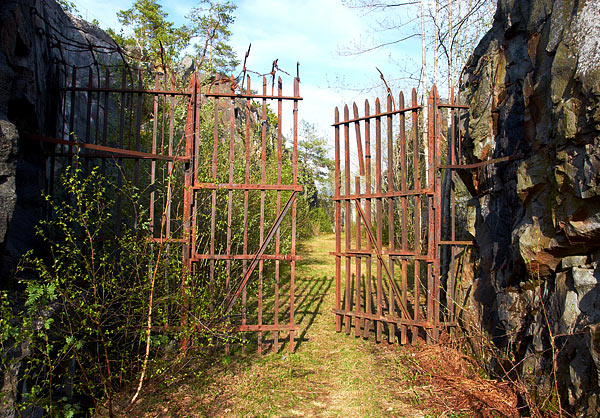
240 186
392 218
139 127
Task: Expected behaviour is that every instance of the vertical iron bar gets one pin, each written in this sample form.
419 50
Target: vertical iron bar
88 122
121 142
138 128
97 130
247 180
295 182
196 168
358 263
153 163
230 195
170 163
72 114
417 216
361 162
347 219
390 204
403 188
451 275
213 204
368 192
338 225
263 180
105 116
379 210
278 203
187 199
430 213
195 172
437 205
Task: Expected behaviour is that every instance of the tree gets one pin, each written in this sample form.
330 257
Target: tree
452 28
314 164
210 24
153 37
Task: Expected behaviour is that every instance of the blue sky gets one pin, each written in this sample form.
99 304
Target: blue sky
318 34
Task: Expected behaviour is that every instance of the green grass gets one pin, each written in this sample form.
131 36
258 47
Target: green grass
329 375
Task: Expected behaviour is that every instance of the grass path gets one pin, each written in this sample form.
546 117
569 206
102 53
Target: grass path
330 374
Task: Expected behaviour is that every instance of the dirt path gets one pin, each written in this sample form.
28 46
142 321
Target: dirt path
330 374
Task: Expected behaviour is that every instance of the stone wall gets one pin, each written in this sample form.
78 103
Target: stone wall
533 87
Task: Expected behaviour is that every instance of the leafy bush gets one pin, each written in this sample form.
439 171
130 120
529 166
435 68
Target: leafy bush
79 335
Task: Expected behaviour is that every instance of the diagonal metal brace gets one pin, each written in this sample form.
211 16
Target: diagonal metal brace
393 285
232 297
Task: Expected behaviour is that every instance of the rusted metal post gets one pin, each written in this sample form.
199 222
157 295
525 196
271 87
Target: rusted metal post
187 202
138 128
278 208
357 278
263 180
361 161
417 218
293 245
153 163
379 210
436 174
105 115
368 192
404 206
338 226
72 128
347 220
246 197
390 204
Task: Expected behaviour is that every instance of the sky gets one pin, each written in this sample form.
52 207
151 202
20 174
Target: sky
318 34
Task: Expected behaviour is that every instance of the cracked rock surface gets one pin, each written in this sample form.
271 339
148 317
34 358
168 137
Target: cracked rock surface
533 87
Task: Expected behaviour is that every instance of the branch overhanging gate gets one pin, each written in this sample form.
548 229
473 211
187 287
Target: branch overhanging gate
390 215
141 116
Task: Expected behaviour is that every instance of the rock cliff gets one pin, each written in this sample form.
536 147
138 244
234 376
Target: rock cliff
39 44
533 87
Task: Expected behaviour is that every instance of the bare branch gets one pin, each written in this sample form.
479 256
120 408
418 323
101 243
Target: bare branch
380 45
387 87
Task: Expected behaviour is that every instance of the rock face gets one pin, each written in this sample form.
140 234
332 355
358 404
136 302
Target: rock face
39 43
533 87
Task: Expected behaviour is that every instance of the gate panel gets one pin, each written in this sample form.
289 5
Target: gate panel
401 234
138 126
243 261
